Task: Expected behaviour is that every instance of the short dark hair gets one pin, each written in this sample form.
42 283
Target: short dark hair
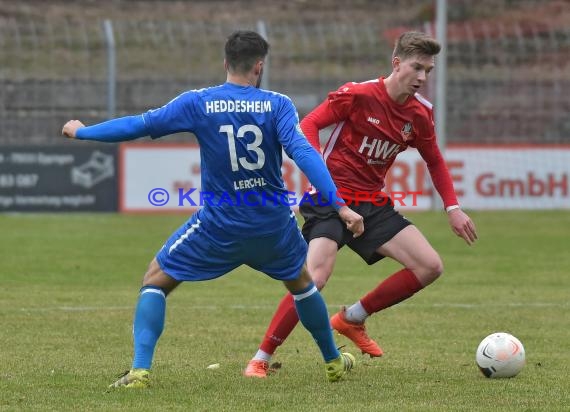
414 43
243 49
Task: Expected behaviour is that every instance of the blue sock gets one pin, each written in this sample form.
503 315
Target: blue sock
313 315
148 325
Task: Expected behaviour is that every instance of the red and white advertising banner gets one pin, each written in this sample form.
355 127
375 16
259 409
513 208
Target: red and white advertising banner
166 178
500 177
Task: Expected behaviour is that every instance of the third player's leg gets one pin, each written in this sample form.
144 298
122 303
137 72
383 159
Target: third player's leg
321 259
411 249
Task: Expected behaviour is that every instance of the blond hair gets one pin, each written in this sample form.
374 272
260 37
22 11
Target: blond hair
414 43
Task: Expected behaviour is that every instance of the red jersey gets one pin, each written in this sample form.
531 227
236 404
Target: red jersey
371 129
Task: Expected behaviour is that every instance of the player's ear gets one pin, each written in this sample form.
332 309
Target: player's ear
396 63
258 67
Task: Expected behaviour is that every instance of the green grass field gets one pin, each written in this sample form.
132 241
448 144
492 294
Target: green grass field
70 282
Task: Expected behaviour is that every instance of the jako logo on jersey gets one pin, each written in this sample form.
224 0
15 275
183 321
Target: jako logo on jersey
406 131
373 120
378 149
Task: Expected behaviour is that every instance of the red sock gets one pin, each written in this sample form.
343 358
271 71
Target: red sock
398 287
282 324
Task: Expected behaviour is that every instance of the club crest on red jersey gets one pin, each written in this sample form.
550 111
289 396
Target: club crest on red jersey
406 131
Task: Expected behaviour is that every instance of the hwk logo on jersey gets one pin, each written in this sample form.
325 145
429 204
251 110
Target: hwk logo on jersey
377 150
406 131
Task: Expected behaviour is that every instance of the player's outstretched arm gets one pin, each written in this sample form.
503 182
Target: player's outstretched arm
116 130
462 225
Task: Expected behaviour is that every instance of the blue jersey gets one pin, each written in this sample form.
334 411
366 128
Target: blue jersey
241 131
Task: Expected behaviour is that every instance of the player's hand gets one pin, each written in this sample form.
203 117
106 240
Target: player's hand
70 128
462 225
354 222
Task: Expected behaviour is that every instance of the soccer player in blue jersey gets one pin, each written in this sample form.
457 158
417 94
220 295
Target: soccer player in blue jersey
242 131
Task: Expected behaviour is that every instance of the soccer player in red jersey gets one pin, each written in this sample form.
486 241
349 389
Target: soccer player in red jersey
374 121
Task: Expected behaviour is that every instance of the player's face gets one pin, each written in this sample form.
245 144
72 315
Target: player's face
414 71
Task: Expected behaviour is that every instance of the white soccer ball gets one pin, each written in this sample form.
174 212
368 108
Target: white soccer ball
500 355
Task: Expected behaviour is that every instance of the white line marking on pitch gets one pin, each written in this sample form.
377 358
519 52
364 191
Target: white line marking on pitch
271 307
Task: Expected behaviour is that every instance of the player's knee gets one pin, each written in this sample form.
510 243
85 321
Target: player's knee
319 282
429 270
433 268
151 272
154 276
320 275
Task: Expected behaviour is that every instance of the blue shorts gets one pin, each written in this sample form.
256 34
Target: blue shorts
193 254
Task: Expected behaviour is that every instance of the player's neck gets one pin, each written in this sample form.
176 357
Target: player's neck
394 91
241 80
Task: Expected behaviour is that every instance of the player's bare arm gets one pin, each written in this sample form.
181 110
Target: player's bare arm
70 128
462 225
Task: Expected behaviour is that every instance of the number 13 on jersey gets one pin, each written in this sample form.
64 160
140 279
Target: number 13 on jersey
236 161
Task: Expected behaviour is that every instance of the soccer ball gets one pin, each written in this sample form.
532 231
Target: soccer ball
500 355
